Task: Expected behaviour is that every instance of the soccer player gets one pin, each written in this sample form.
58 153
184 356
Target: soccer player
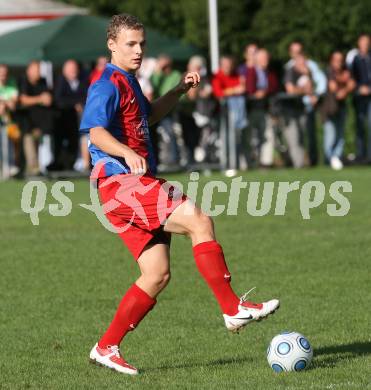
146 210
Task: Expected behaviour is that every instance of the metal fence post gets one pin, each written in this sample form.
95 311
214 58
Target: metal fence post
223 135
232 145
5 169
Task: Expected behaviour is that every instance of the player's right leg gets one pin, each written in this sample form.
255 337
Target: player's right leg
154 264
188 219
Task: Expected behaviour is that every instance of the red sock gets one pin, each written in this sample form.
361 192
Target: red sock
210 262
135 304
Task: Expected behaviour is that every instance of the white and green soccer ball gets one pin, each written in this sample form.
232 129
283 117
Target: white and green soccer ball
289 351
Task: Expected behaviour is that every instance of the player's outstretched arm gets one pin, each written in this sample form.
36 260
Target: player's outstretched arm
101 138
164 104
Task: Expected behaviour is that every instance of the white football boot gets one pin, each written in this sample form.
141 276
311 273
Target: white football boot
249 312
110 357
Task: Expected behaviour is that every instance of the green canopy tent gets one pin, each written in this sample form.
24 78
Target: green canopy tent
82 37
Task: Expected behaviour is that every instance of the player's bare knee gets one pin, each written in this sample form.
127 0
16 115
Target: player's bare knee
204 224
166 278
160 279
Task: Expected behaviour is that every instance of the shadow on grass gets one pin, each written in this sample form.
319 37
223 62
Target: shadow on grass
212 363
330 356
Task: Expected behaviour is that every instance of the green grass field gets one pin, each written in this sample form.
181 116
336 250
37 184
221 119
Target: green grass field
61 281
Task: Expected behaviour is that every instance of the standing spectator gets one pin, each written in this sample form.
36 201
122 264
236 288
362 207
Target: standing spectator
298 84
36 114
229 87
163 80
261 83
195 111
361 70
319 88
349 58
226 81
204 110
8 95
99 67
144 74
70 95
8 101
250 53
340 84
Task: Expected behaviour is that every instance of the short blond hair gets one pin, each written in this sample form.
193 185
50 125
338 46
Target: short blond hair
118 22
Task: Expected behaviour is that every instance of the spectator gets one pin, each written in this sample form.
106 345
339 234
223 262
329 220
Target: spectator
310 102
350 57
100 64
8 95
361 70
261 83
229 86
250 53
298 84
196 110
70 95
36 114
8 101
163 80
144 76
204 113
340 84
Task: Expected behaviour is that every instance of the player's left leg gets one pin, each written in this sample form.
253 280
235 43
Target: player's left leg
154 264
188 219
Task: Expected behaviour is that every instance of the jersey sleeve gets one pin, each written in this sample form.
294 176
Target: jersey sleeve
101 106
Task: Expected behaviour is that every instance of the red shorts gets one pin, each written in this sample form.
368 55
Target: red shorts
138 207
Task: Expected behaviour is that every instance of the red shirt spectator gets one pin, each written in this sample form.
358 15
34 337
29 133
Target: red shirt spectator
98 70
226 82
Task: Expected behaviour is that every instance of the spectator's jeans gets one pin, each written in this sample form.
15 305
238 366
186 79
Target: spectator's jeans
362 106
260 137
237 109
237 122
333 137
294 124
167 125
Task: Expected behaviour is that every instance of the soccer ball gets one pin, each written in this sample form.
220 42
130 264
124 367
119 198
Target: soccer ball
289 351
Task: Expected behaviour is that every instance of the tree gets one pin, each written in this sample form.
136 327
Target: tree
321 25
187 19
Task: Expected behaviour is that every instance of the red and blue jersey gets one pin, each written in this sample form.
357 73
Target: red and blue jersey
116 102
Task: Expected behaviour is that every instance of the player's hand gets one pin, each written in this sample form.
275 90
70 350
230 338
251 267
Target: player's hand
136 163
190 80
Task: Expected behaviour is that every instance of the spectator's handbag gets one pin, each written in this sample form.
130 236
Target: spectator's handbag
329 105
13 131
